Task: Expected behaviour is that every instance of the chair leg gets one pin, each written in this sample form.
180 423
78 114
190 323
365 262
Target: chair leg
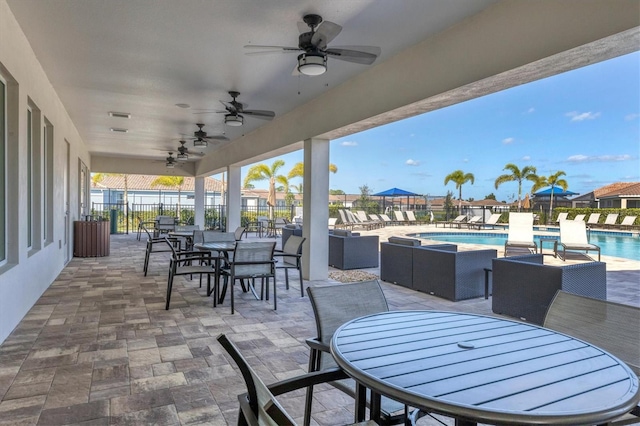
286 277
146 260
313 366
301 282
233 280
169 286
275 298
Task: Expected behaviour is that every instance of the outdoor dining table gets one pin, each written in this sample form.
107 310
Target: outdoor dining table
485 369
187 235
223 248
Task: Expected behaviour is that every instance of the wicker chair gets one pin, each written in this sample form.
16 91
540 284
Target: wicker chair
348 251
333 306
446 272
523 286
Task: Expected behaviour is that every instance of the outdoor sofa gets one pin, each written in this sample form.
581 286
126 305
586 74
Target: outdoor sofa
523 286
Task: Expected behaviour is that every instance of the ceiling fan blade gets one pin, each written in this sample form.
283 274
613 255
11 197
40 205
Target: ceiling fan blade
217 138
265 115
230 107
272 49
325 33
365 55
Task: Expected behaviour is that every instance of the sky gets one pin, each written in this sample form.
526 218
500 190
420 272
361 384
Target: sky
585 122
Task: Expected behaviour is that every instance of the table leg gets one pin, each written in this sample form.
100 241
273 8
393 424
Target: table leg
486 282
361 403
460 422
374 407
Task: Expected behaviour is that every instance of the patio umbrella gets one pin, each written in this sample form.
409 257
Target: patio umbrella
526 204
271 198
395 192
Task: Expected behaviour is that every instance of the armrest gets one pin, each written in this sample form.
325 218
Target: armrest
306 380
318 345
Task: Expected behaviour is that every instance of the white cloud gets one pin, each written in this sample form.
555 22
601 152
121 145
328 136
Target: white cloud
531 110
411 162
579 158
507 141
349 143
412 135
526 158
581 116
631 117
466 160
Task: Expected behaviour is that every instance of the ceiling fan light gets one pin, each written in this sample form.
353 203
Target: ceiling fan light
169 165
312 64
234 120
182 157
200 143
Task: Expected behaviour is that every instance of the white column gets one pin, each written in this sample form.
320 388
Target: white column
315 256
234 197
199 201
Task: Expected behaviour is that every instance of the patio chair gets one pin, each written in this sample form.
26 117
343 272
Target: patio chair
216 236
333 305
141 224
386 219
608 325
573 236
593 219
291 255
579 218
377 219
356 221
259 406
346 223
332 222
561 216
492 222
156 245
189 263
251 260
164 224
457 221
627 222
520 234
610 220
238 233
411 217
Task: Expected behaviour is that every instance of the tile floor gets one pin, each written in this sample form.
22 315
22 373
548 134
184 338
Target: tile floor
98 348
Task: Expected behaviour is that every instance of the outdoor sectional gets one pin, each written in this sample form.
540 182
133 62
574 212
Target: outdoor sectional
523 287
349 250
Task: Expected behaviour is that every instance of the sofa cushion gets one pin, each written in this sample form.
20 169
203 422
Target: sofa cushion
405 241
342 232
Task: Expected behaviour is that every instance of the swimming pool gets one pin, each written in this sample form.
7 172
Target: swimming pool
611 244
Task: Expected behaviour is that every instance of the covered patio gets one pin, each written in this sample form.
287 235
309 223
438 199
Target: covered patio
99 347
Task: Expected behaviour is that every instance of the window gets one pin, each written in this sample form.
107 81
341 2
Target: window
47 182
29 178
3 174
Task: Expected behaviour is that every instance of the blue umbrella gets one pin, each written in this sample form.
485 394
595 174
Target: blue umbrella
394 192
557 192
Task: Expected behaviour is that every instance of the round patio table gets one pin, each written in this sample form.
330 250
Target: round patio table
483 369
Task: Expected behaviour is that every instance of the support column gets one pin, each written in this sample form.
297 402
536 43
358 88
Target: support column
234 197
315 255
199 200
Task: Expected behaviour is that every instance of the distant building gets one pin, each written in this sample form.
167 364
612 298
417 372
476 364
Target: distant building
616 195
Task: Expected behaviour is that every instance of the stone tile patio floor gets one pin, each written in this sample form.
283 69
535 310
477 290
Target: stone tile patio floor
99 348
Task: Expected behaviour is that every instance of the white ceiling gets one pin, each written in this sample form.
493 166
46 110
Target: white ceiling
145 56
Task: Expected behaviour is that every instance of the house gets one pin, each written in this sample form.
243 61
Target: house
592 199
624 197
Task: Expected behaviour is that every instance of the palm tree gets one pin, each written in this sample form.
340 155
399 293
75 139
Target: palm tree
517 175
459 178
263 172
170 182
553 181
298 170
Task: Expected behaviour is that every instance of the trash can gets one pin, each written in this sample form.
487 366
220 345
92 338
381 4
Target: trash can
113 218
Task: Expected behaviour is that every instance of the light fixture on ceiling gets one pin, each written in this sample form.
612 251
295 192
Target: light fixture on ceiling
312 63
169 165
182 157
119 130
119 114
200 142
234 120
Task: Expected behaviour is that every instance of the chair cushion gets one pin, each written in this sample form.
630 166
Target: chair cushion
342 232
405 241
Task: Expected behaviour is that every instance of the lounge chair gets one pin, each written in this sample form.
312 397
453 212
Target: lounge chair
399 217
573 236
377 219
627 222
332 222
610 220
579 218
475 220
520 234
492 222
346 223
355 220
459 220
561 216
593 219
411 217
387 220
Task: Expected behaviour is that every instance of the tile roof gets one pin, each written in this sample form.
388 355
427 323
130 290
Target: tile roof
143 182
618 187
631 188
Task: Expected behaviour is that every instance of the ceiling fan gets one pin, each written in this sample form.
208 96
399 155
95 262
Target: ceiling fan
313 44
170 161
201 139
235 112
183 152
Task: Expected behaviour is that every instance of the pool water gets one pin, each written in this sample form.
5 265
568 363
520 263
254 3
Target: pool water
627 247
